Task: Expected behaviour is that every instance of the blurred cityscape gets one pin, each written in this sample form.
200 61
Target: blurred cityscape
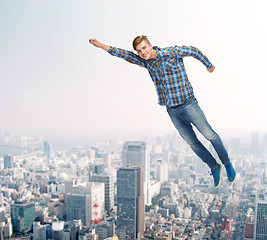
146 188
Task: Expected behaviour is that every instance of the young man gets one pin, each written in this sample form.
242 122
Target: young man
166 68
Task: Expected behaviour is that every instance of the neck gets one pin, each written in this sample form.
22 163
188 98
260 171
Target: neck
154 54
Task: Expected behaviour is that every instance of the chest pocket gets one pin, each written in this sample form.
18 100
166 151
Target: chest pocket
171 66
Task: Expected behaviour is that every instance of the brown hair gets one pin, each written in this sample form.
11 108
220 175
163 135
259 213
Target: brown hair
139 39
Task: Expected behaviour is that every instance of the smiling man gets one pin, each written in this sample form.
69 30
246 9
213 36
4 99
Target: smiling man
166 68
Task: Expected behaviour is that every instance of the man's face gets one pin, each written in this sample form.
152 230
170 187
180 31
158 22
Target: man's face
144 50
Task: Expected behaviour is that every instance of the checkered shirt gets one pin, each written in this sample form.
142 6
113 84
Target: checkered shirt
167 71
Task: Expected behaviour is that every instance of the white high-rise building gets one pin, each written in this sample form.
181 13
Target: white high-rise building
86 202
162 171
108 180
137 153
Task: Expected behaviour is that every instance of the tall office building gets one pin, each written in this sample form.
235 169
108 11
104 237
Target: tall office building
22 216
162 171
130 203
8 161
77 207
48 152
138 154
108 180
260 227
86 202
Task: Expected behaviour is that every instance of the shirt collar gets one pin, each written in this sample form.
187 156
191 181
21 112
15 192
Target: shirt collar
157 52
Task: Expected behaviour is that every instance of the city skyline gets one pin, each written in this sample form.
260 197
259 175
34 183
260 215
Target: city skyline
53 83
186 204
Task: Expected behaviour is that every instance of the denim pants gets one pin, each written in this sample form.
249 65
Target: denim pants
189 113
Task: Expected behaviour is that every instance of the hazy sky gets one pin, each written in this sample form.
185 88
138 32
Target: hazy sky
53 82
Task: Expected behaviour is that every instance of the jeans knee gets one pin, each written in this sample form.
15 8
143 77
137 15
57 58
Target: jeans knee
194 145
212 136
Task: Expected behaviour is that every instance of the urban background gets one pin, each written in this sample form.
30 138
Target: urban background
148 188
85 150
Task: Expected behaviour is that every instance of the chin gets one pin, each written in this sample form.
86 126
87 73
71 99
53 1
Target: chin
146 58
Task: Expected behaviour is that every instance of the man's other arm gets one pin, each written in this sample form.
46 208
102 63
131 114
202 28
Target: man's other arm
185 51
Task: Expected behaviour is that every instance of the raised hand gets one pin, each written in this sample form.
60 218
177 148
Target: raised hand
98 44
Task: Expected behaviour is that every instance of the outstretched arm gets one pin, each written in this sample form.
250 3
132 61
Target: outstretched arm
99 44
121 53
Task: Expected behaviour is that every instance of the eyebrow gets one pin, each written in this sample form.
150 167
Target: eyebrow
141 48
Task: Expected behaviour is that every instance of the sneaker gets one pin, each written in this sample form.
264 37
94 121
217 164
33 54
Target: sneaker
230 172
216 176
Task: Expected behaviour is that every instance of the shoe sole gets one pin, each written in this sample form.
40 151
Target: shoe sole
220 177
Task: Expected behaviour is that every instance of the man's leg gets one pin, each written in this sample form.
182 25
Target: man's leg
187 133
195 115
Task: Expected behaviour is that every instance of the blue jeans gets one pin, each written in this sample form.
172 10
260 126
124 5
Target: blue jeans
189 113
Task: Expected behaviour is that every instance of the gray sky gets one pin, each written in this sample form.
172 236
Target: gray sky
53 82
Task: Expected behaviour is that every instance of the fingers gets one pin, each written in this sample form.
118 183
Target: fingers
211 69
92 41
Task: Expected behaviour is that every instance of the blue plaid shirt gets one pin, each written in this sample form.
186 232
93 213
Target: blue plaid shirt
167 71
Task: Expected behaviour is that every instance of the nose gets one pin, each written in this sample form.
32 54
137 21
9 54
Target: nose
143 51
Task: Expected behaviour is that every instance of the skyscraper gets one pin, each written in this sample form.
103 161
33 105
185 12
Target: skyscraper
86 202
48 152
130 203
162 171
77 207
138 154
260 227
8 161
22 216
108 180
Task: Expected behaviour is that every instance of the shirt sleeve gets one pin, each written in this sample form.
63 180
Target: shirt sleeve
184 51
127 56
